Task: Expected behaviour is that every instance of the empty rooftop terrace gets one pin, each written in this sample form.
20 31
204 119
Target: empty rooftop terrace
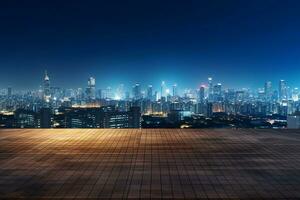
149 163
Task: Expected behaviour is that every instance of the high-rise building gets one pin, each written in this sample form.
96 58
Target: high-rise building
282 90
217 92
25 119
175 93
46 89
83 118
210 89
91 89
120 93
127 95
149 92
268 90
45 118
162 89
136 91
209 109
295 94
135 117
108 93
9 91
201 94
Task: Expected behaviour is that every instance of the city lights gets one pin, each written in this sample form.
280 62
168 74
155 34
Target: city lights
209 105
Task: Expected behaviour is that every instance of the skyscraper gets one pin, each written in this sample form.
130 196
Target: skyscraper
210 89
295 94
162 89
282 90
47 93
45 118
268 90
91 89
120 93
175 90
217 92
136 91
149 92
9 91
135 117
201 94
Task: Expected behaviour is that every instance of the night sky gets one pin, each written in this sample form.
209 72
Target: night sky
239 43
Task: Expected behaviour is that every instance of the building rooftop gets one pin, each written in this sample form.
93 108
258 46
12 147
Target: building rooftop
149 163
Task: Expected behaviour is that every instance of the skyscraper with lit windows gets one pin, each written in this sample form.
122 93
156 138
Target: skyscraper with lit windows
162 89
149 92
282 90
136 91
91 89
268 90
9 91
46 88
201 94
217 92
210 89
174 92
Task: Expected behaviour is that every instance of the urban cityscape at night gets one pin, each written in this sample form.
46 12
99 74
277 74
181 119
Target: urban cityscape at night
149 99
210 105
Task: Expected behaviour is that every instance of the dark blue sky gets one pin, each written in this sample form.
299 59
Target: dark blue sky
239 43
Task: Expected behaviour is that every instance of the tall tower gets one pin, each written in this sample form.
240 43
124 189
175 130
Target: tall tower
136 90
91 89
217 92
9 91
201 94
149 92
282 90
175 90
210 89
162 89
46 85
268 90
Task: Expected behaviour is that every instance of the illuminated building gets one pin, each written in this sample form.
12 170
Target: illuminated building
282 90
25 119
83 117
112 118
162 89
9 91
120 94
45 118
7 120
102 117
46 89
217 92
295 94
210 88
174 92
268 91
136 91
201 94
149 92
107 93
209 109
91 89
134 117
229 96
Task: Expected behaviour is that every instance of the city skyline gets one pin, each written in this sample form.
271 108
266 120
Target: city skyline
242 44
155 86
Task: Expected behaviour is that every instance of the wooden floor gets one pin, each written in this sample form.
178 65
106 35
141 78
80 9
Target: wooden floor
158 163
